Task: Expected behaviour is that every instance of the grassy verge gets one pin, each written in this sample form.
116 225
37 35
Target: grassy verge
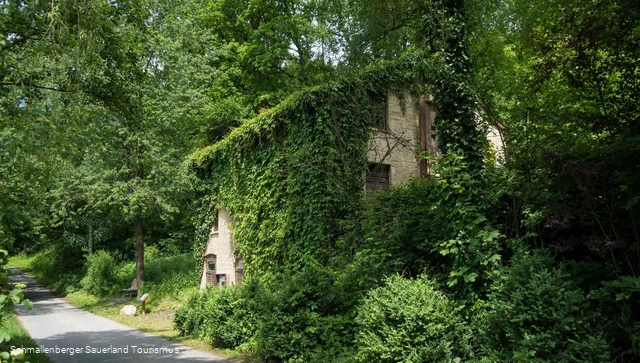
159 314
22 262
158 320
21 339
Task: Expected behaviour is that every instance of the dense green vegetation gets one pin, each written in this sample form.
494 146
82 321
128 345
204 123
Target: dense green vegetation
123 124
12 335
171 278
20 338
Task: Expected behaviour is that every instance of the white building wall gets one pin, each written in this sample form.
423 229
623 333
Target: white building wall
495 138
220 243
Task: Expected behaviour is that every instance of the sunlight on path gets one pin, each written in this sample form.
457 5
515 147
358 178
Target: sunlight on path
72 335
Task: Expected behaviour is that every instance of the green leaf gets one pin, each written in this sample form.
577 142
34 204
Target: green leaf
470 277
4 336
15 292
27 304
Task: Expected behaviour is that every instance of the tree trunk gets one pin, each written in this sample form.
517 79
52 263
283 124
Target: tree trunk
139 254
90 238
456 122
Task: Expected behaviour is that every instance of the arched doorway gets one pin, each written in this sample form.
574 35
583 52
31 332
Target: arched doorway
210 268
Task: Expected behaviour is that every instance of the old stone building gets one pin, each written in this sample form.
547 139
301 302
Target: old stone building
222 265
401 134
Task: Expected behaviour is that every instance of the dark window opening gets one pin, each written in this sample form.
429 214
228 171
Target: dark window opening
221 280
378 110
215 221
378 176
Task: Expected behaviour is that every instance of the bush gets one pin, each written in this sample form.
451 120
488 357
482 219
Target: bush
299 317
170 277
410 321
618 301
536 313
101 278
437 226
222 316
302 317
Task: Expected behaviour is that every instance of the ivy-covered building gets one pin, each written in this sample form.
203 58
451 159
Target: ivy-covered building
281 183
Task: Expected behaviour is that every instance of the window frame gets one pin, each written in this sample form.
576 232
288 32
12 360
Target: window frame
376 110
371 175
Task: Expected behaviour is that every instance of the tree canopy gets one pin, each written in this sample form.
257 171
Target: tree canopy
106 105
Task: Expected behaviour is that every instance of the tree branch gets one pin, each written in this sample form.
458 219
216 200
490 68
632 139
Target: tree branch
34 86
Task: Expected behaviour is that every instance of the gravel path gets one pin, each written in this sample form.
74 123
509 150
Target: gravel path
55 324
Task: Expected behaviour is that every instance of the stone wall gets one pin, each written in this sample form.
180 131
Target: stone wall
398 145
495 138
220 243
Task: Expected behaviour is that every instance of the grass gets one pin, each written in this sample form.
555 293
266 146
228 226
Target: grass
158 320
21 339
160 309
22 262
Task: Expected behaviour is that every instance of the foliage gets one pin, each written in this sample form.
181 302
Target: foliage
288 175
10 296
445 32
438 226
617 302
106 274
410 321
59 268
472 240
101 279
223 316
169 276
300 318
535 312
303 317
101 101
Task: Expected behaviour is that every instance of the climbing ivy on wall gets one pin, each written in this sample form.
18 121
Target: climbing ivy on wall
288 176
444 24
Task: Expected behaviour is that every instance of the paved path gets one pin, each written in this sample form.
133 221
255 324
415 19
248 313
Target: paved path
54 322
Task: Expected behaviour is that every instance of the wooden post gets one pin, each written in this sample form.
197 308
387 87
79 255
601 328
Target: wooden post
143 300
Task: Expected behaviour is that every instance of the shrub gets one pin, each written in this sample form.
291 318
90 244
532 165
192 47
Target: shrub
302 317
58 267
537 313
410 321
170 277
438 226
222 316
618 300
101 278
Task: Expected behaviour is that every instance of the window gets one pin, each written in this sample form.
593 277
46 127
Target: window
378 110
215 222
377 176
222 280
210 263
